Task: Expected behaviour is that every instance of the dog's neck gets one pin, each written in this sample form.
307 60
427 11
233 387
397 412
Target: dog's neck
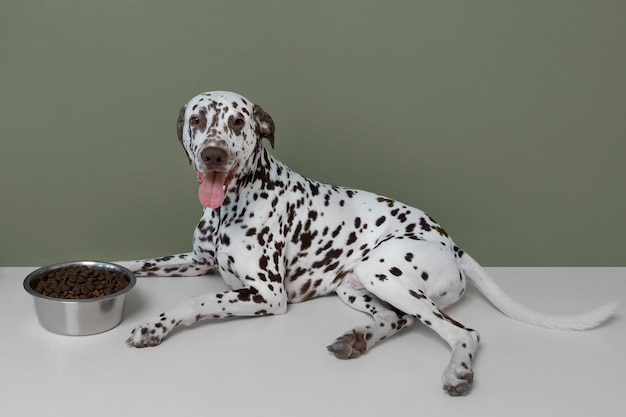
260 172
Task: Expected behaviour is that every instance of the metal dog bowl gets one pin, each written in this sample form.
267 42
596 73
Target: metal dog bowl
79 317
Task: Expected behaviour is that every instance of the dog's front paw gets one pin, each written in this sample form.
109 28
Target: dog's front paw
147 334
457 380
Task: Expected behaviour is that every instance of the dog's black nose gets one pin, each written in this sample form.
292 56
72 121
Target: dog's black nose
214 158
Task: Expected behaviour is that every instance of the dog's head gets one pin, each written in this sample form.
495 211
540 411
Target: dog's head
220 131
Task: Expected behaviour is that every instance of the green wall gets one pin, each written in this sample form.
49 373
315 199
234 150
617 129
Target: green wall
505 120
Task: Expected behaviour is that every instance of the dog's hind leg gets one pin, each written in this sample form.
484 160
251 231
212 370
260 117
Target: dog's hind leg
419 286
387 321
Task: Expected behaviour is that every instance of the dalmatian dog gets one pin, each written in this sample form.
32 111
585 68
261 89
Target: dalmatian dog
277 237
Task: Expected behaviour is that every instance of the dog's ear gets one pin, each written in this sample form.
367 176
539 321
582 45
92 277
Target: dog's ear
264 124
180 123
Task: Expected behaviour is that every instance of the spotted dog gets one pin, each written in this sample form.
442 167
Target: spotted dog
277 237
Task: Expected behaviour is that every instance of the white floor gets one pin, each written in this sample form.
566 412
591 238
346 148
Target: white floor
279 366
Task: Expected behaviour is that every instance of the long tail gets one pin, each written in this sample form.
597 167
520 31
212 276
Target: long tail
486 285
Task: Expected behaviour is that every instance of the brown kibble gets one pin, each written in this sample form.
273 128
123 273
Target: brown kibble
80 282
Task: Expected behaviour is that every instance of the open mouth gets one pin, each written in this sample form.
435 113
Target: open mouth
213 186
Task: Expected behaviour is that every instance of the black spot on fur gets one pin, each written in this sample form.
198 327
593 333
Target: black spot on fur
250 293
263 262
419 295
424 225
395 271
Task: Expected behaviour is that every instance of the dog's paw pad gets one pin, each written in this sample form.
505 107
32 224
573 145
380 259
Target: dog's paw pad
349 346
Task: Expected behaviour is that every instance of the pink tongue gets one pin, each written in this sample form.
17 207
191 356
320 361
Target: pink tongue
211 191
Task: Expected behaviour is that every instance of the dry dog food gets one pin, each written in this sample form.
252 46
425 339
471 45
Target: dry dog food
80 282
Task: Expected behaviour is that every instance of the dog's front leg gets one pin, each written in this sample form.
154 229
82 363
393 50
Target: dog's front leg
181 265
247 301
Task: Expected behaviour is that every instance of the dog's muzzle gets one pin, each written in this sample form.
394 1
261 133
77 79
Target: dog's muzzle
214 175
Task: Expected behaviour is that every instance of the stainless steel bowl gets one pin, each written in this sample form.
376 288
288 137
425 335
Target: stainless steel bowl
84 316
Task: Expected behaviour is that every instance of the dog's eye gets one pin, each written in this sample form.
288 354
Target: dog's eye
195 120
239 122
